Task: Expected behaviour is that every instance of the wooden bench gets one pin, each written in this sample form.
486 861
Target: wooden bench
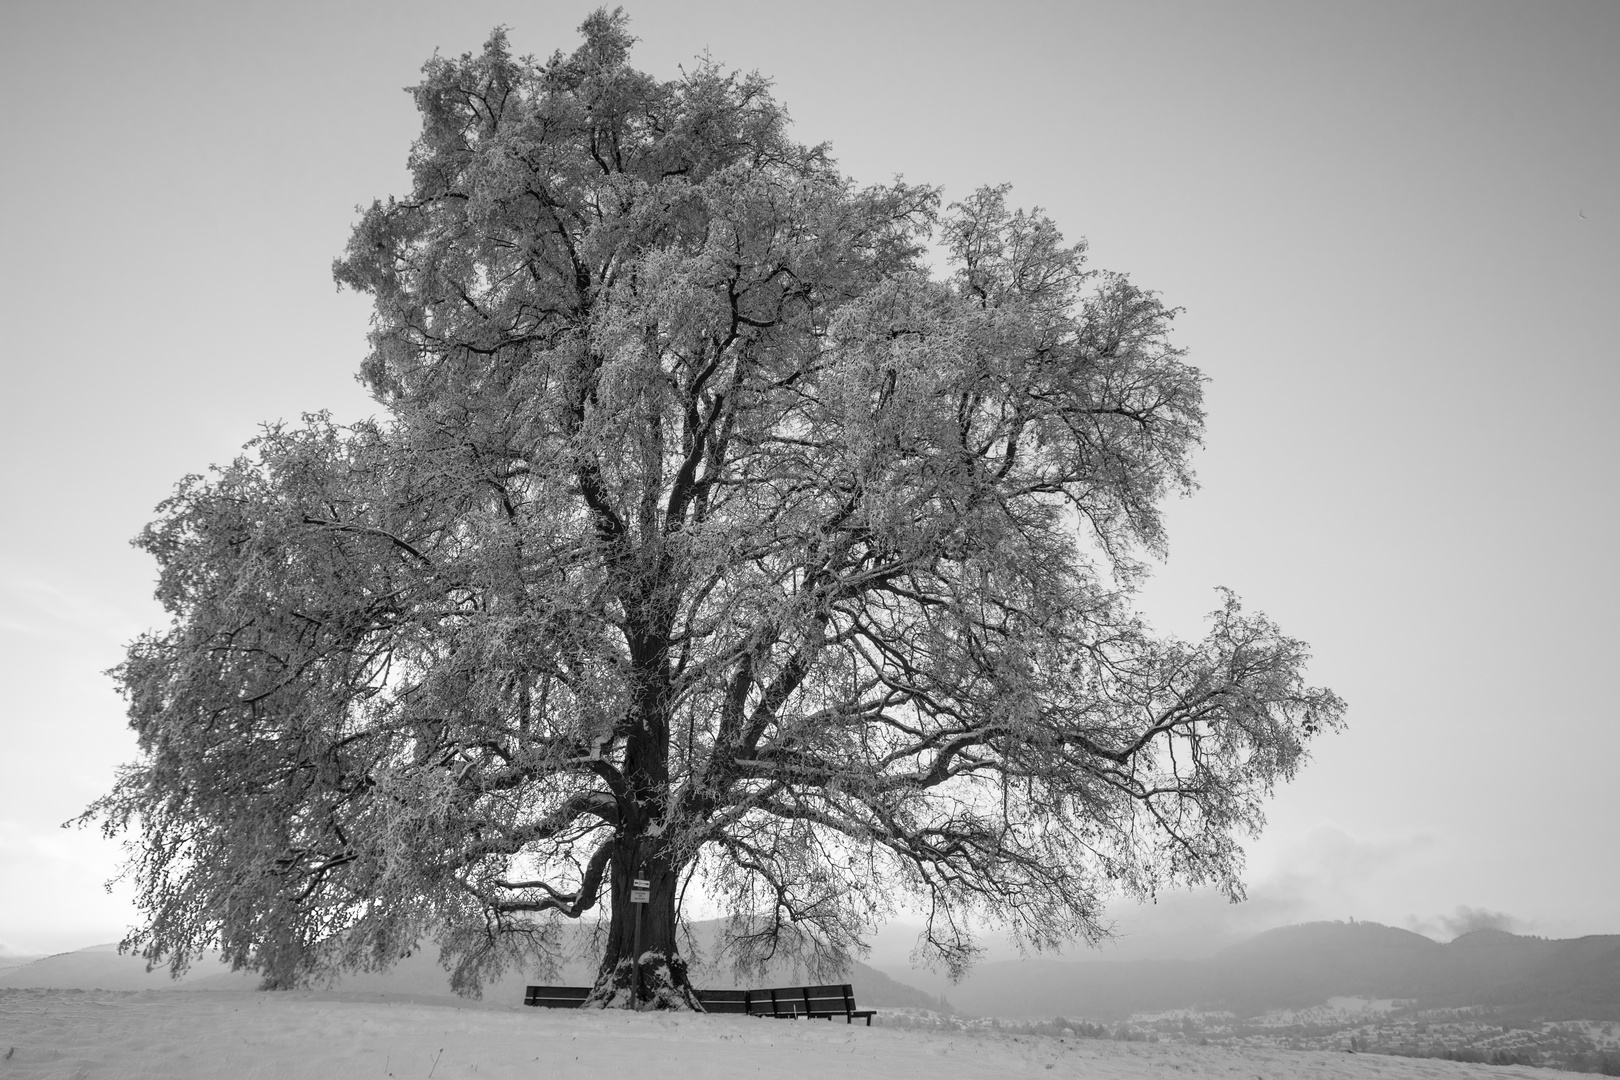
789 1002
783 1002
556 997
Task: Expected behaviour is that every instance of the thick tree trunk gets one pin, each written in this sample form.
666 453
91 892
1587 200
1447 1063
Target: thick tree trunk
655 977
642 967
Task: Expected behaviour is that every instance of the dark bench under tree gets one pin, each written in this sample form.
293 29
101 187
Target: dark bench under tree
784 1002
556 997
791 1002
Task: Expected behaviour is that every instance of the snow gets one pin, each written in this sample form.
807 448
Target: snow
243 1035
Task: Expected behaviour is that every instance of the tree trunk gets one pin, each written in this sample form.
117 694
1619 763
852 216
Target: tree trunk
659 980
653 973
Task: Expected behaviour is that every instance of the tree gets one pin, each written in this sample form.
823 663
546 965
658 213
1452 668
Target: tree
707 537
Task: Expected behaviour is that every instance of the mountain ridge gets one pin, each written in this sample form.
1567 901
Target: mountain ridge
1300 966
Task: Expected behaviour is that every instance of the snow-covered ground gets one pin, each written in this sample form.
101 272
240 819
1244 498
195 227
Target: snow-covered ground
237 1035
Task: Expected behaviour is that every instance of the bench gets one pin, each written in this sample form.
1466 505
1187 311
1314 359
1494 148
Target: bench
789 1002
556 997
783 1002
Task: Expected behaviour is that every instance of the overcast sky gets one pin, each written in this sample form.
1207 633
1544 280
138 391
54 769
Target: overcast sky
1394 229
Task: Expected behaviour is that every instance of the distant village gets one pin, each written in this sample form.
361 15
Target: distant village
1460 1035
1348 1026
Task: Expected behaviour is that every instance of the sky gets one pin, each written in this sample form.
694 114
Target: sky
1393 229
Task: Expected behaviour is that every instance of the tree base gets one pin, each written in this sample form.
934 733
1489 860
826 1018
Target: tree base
663 986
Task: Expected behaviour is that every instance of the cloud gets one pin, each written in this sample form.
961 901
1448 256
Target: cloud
1329 868
1465 920
66 903
34 606
1326 874
27 850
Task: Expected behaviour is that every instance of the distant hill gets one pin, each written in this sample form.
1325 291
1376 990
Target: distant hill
1302 966
1296 965
101 967
10 960
1530 978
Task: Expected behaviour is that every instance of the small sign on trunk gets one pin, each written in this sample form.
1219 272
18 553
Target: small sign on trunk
639 890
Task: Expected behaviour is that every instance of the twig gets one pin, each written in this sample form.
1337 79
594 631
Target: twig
436 1062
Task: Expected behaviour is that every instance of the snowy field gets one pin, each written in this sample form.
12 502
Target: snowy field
179 1035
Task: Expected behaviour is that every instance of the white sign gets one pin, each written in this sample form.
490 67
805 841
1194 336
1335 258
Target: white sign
639 896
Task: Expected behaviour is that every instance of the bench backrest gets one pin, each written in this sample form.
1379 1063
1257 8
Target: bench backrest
801 1000
556 997
724 1001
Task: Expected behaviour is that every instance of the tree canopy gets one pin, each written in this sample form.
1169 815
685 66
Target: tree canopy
708 535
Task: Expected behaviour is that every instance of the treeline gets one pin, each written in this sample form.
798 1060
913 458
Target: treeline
1604 1064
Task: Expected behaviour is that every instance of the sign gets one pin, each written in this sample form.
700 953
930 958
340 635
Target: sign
639 890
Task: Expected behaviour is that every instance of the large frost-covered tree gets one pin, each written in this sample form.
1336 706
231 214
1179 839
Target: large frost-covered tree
708 536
